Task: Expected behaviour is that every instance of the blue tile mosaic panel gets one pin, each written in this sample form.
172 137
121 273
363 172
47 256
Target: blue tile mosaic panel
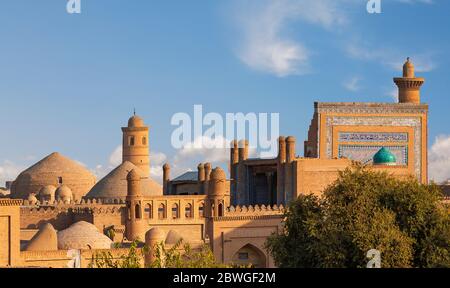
372 137
365 154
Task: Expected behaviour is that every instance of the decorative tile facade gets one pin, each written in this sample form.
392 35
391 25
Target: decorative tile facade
392 121
372 137
364 153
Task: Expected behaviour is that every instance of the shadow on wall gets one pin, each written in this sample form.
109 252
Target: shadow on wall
62 220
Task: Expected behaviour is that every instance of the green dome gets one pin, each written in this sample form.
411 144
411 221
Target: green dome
384 157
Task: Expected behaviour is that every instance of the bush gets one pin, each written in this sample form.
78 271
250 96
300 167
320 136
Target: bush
364 209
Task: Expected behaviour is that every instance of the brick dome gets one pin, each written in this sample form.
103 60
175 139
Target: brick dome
64 193
135 121
82 235
114 185
47 193
54 170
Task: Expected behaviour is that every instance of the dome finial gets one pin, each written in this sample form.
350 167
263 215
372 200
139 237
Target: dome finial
408 69
134 109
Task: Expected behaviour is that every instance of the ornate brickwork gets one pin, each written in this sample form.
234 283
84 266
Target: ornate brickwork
365 153
370 108
372 137
406 121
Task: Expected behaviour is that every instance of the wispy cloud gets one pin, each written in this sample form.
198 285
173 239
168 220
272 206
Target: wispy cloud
353 84
393 94
200 150
9 171
266 45
115 159
439 159
391 58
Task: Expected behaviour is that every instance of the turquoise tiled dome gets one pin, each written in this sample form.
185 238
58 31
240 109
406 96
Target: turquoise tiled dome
384 157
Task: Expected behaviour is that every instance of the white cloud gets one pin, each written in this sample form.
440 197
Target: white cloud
115 159
157 160
439 159
9 171
201 150
266 46
211 150
353 84
393 94
393 59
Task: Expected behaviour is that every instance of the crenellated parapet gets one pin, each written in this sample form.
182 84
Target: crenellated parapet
255 210
77 203
97 210
10 202
70 208
50 210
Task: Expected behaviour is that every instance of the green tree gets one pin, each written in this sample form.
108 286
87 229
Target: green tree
105 259
185 257
365 209
179 255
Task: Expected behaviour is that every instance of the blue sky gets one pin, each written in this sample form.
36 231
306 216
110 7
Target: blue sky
69 82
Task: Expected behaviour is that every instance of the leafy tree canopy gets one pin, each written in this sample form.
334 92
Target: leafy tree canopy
362 210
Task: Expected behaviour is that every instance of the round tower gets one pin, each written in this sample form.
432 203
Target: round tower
201 172
234 163
409 85
289 169
135 225
166 178
243 150
135 144
218 196
290 149
208 168
280 169
153 237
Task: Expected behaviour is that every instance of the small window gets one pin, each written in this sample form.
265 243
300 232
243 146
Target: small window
137 211
144 140
148 211
243 256
129 212
201 210
188 211
161 211
131 141
175 211
220 210
60 180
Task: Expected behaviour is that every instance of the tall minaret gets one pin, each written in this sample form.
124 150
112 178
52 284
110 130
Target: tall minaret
135 144
409 85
